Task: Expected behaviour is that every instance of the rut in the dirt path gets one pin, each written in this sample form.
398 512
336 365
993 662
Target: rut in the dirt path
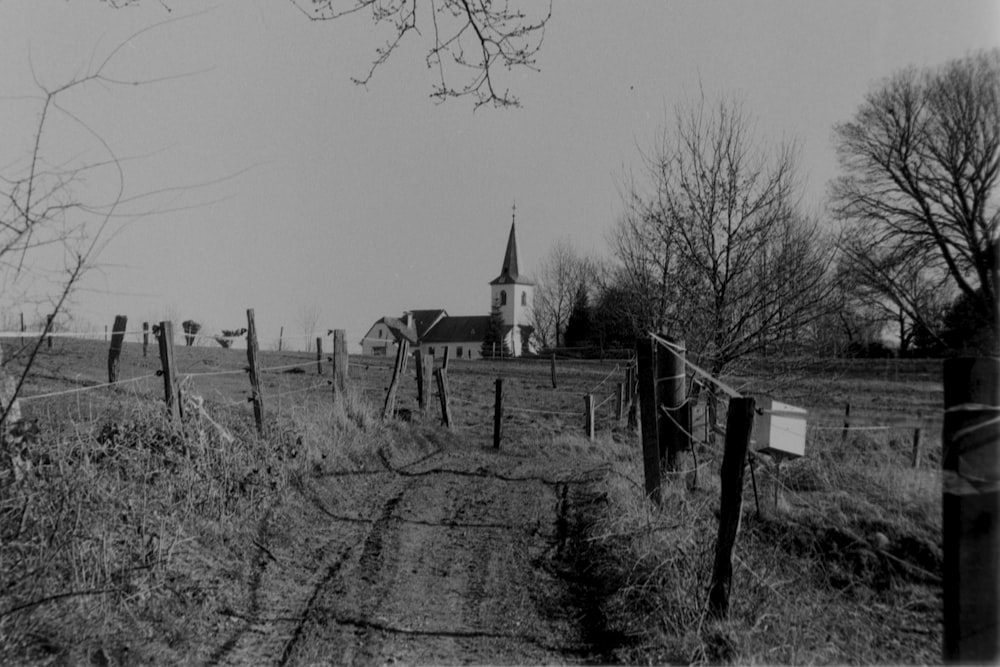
462 559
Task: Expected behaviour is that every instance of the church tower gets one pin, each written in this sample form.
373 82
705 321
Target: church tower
513 293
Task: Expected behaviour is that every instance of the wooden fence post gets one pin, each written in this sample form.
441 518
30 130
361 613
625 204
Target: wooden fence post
441 375
254 364
168 368
22 328
48 330
390 396
114 353
445 357
340 361
970 441
588 412
916 454
145 338
497 412
619 403
633 403
669 399
553 370
847 422
281 336
319 355
739 426
644 348
422 379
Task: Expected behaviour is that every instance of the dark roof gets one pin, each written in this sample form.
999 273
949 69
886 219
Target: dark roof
399 329
463 329
423 320
509 273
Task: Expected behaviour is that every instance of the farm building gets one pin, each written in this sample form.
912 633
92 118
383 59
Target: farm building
433 331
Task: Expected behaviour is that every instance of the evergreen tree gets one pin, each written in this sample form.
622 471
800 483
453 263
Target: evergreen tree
579 327
494 341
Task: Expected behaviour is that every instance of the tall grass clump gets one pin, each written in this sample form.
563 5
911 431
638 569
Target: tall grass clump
128 532
844 567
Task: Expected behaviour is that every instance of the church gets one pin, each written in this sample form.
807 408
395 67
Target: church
434 331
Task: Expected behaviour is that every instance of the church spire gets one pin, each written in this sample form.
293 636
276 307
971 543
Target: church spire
509 271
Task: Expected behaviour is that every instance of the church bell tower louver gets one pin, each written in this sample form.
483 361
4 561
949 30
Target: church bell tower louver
513 292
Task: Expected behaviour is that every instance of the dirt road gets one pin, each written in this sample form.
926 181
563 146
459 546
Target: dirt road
465 556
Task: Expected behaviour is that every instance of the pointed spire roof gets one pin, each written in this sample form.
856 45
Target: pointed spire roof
509 273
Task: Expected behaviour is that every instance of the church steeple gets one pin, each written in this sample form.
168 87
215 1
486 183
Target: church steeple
509 272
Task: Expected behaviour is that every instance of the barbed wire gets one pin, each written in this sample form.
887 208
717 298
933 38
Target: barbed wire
87 388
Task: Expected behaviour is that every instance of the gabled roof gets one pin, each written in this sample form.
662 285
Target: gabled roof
509 273
423 320
462 329
399 329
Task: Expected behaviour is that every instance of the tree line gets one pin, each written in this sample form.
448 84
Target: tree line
714 247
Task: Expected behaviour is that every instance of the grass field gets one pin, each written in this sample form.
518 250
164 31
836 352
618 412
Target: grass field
129 525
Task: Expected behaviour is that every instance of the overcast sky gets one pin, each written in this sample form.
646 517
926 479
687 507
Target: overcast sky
318 194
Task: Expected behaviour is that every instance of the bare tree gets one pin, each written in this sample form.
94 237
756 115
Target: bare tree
472 43
718 239
309 317
559 277
919 166
59 203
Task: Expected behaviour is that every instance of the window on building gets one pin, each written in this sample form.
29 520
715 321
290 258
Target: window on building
430 351
458 351
503 297
524 298
380 332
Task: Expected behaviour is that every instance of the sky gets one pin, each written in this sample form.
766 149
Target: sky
286 188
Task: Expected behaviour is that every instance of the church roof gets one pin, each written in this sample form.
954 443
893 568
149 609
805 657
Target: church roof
461 329
509 273
423 320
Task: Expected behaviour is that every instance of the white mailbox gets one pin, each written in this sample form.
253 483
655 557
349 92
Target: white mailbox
779 429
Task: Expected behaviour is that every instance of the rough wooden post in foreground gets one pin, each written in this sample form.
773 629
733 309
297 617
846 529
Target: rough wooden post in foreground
168 368
497 412
970 442
340 361
145 338
441 375
645 354
739 426
669 399
445 357
115 351
254 364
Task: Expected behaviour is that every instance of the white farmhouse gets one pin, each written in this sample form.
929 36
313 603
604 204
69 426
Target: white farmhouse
433 331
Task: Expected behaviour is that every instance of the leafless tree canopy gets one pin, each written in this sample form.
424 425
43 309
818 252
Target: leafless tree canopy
471 42
560 275
919 164
717 239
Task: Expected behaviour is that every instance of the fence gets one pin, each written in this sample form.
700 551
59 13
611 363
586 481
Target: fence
650 393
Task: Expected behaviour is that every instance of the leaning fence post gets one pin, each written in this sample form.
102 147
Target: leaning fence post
619 403
145 338
165 340
390 396
254 364
644 348
497 412
445 357
441 375
553 370
115 351
970 504
48 330
739 426
419 360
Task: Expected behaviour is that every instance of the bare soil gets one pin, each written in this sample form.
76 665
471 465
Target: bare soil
467 555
